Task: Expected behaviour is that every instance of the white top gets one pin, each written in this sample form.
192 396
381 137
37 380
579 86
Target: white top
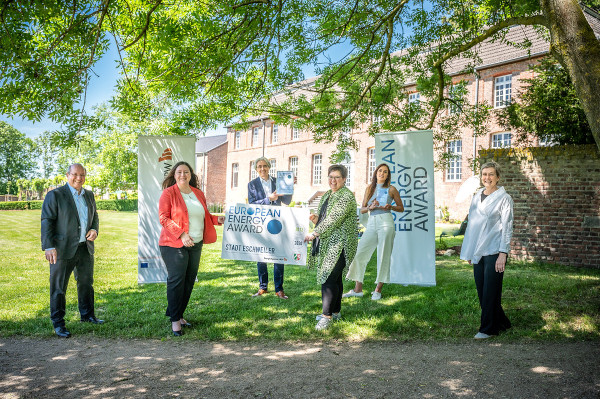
195 216
266 184
490 226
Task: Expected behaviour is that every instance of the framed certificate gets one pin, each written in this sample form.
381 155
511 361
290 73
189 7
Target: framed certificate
285 182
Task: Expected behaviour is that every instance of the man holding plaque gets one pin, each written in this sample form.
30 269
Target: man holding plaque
263 191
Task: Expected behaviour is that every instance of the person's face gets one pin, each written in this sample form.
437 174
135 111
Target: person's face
183 175
263 170
76 177
382 174
489 178
336 181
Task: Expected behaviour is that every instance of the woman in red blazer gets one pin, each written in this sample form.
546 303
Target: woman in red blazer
186 226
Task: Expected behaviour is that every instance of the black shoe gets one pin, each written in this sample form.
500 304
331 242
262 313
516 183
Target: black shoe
186 324
178 333
92 319
62 332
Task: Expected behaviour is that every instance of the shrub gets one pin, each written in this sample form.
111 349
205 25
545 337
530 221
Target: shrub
127 205
13 205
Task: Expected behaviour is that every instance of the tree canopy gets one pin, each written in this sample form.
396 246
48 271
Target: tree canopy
16 158
195 64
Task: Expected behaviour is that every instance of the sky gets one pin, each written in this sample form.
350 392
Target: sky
101 89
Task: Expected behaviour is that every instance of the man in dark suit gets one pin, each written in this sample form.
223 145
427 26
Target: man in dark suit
262 190
69 228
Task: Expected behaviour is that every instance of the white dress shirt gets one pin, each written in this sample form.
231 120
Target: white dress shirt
490 226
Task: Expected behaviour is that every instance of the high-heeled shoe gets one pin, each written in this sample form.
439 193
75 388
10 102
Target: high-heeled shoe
178 333
186 325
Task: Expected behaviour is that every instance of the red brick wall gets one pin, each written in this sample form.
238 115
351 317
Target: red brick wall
214 176
556 192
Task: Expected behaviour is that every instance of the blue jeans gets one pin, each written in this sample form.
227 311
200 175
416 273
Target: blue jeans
263 275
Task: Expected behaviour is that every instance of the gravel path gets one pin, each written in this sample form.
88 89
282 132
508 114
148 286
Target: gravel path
84 367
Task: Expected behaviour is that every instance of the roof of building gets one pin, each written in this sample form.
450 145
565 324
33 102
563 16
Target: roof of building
205 144
490 52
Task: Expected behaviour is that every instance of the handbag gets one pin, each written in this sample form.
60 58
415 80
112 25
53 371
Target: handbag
314 249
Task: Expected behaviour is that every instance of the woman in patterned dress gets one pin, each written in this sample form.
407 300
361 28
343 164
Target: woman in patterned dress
335 239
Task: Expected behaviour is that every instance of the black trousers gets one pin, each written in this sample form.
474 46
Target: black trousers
60 272
182 269
333 288
489 289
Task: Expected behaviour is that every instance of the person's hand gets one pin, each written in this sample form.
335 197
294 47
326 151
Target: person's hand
313 218
274 196
51 255
310 237
91 235
501 262
187 240
469 262
387 207
220 219
373 205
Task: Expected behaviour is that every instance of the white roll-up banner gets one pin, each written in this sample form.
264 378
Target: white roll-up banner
410 158
156 157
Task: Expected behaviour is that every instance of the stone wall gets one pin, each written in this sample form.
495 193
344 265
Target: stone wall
556 192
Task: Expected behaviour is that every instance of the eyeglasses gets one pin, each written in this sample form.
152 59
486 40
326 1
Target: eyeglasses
334 177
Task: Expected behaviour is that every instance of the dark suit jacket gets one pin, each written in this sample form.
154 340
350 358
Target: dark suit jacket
60 221
256 194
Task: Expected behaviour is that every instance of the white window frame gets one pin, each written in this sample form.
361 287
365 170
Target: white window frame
453 108
349 164
235 170
273 168
546 142
275 133
294 165
372 162
236 142
502 91
295 133
454 170
414 97
255 136
253 172
317 169
502 140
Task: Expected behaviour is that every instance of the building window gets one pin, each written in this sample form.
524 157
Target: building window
453 95
376 120
372 163
454 171
253 172
348 163
501 140
295 133
273 169
294 165
316 172
547 142
236 142
414 97
275 133
502 91
255 137
235 168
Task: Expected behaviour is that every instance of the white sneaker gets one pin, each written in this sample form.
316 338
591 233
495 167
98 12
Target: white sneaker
323 324
481 335
334 316
375 296
352 293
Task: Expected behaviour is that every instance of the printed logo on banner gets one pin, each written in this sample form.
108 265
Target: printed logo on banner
297 256
167 155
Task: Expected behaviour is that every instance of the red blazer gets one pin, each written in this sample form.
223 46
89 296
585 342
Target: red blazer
173 216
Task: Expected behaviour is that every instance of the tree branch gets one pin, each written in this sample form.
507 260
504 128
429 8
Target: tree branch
145 28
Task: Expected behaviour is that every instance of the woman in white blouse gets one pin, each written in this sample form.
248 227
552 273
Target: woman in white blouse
486 246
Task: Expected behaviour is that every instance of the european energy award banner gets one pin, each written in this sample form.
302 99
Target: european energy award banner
156 157
410 158
265 233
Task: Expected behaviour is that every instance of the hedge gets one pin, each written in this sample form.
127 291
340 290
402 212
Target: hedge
110 205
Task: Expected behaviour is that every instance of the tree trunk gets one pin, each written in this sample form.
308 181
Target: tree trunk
573 43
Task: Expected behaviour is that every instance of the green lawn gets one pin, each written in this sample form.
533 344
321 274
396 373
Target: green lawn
544 302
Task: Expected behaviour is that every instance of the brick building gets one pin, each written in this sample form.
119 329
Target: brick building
496 81
211 161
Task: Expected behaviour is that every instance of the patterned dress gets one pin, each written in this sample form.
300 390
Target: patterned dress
337 232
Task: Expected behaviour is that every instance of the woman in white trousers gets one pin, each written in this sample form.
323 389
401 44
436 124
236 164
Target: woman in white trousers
380 232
